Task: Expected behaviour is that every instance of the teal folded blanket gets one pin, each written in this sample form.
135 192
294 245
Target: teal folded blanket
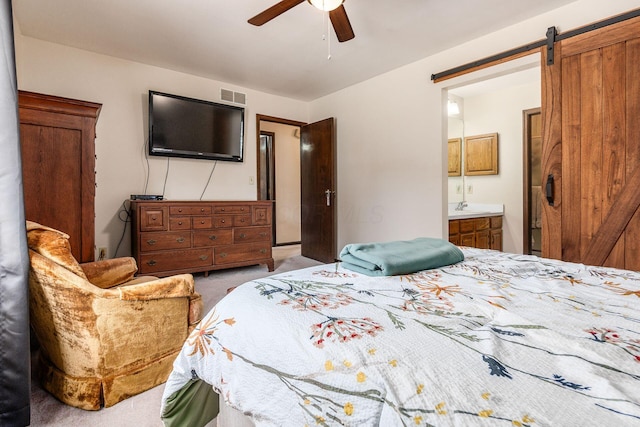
399 257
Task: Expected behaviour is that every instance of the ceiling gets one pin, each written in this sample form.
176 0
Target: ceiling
286 56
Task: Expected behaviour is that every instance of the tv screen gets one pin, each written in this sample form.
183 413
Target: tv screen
187 127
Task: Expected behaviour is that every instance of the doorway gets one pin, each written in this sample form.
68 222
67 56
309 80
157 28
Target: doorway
495 105
532 183
314 214
278 172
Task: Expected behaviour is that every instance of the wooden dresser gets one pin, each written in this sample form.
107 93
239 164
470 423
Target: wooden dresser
171 237
482 232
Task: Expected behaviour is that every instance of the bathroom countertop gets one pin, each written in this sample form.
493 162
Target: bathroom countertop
475 210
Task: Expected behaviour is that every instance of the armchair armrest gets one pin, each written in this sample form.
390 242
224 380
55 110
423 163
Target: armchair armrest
181 285
110 272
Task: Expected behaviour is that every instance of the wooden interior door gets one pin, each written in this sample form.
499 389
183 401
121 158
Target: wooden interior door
591 147
58 166
318 185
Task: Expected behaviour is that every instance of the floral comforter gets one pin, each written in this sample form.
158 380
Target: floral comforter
496 340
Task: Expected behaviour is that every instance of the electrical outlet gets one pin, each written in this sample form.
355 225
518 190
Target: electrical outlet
102 254
469 189
459 189
251 181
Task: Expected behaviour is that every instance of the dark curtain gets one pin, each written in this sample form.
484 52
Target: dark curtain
14 258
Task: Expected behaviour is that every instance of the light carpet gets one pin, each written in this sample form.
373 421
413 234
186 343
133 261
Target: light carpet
143 410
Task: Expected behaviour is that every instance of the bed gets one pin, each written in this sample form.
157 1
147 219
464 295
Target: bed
495 340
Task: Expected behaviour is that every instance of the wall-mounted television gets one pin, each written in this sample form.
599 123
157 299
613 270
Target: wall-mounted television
193 128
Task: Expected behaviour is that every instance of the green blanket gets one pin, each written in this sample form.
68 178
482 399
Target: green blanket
399 257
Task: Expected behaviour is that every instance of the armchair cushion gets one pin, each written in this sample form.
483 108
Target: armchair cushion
177 286
110 272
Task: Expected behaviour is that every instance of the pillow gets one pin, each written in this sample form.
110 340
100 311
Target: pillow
53 244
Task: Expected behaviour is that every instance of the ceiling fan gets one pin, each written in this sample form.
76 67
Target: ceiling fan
337 14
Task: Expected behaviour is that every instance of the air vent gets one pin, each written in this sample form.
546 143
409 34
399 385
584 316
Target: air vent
231 96
239 98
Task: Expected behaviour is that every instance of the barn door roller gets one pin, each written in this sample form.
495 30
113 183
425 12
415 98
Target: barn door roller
551 39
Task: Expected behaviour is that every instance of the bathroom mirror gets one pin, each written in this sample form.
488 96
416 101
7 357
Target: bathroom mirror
454 149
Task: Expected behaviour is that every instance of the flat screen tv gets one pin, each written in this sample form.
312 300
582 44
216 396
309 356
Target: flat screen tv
187 127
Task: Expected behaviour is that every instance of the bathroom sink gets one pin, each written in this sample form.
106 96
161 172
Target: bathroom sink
474 211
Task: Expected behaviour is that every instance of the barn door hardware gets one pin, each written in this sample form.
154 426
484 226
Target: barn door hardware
549 189
551 39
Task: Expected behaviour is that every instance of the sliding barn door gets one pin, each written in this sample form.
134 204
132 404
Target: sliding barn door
591 148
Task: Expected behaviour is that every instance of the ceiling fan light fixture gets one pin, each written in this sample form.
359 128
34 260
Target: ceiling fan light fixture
326 5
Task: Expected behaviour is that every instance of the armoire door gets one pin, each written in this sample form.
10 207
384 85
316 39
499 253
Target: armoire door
57 137
591 148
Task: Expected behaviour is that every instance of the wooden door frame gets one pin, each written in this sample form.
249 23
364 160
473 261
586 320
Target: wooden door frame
272 161
526 181
260 118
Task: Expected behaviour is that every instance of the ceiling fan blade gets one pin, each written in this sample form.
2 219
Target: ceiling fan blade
275 10
341 24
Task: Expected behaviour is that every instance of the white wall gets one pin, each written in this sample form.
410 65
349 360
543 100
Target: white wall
287 159
501 112
122 89
391 131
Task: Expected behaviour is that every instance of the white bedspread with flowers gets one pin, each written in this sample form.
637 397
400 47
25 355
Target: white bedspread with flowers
496 340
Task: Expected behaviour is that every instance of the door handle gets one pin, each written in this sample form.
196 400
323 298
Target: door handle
328 193
549 189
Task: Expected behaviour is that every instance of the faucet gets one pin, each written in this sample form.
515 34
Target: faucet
461 205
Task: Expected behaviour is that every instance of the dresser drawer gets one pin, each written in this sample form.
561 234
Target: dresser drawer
231 209
180 223
252 234
190 210
200 222
261 215
175 260
212 238
242 253
242 220
223 221
153 218
160 241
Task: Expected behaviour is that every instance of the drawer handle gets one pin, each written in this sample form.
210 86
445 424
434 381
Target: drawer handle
241 219
212 237
202 257
242 235
223 255
241 209
151 262
222 221
179 222
222 209
180 239
180 210
202 222
263 234
263 251
153 218
151 242
202 210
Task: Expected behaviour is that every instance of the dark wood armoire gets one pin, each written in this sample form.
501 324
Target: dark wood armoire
58 166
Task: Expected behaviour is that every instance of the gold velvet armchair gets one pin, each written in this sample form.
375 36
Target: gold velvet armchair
104 335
